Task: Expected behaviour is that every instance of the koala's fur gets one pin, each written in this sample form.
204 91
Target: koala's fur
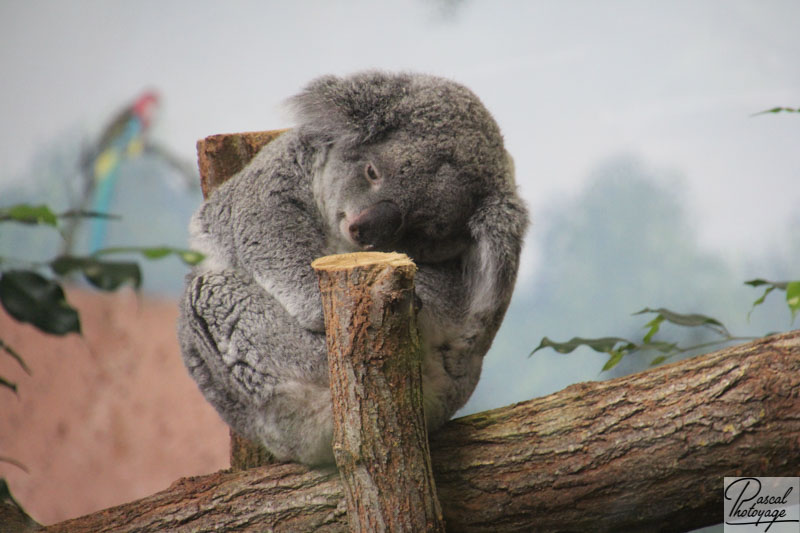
377 161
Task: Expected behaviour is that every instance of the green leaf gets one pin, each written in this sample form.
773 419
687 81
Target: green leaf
105 275
29 214
775 284
6 348
760 300
688 320
778 110
663 347
616 357
43 215
32 298
5 383
190 257
793 297
771 286
658 360
653 325
603 344
77 213
156 253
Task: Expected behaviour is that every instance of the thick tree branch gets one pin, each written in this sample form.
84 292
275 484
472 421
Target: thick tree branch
645 452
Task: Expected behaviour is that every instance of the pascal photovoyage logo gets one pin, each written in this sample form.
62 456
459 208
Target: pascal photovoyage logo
762 504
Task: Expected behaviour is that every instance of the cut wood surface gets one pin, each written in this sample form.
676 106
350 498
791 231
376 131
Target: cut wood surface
221 156
379 437
646 452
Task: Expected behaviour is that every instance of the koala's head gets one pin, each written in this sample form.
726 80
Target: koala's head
405 160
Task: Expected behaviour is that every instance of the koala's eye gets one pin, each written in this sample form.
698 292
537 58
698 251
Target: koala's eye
371 174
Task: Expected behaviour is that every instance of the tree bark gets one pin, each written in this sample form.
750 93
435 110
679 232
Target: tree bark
247 454
380 441
221 156
646 452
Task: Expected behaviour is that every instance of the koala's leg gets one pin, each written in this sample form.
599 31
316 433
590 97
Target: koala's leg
266 375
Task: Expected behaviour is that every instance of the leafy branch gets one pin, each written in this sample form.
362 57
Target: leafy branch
618 347
792 289
778 110
31 297
43 215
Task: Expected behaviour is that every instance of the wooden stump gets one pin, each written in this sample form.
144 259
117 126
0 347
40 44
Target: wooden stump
221 156
380 440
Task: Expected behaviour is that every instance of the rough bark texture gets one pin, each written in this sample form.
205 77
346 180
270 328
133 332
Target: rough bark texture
380 442
273 498
221 156
646 452
247 454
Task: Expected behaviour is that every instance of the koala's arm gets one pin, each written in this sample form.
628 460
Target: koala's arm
276 245
266 376
464 304
498 227
273 228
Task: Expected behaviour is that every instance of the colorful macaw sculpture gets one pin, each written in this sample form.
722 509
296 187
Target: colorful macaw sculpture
122 139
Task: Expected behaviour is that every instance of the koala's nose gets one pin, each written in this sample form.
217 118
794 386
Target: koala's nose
377 226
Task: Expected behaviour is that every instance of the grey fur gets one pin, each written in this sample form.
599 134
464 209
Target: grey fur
393 162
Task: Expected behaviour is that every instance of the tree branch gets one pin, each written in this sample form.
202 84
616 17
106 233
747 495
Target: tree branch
645 452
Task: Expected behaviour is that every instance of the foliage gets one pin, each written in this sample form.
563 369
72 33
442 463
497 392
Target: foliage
779 110
618 347
42 215
792 289
31 296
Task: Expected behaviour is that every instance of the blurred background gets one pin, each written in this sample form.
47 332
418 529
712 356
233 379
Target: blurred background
650 179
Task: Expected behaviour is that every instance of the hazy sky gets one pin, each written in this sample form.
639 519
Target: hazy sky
570 83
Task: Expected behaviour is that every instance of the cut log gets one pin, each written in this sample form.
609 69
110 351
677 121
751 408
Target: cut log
221 156
380 442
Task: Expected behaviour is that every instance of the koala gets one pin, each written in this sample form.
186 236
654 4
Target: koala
377 161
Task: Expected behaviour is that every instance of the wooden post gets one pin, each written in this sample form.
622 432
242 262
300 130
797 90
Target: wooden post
380 441
221 156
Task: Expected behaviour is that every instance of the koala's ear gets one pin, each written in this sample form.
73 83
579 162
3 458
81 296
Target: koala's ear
356 109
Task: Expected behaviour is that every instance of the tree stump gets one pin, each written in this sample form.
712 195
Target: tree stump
380 440
221 156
